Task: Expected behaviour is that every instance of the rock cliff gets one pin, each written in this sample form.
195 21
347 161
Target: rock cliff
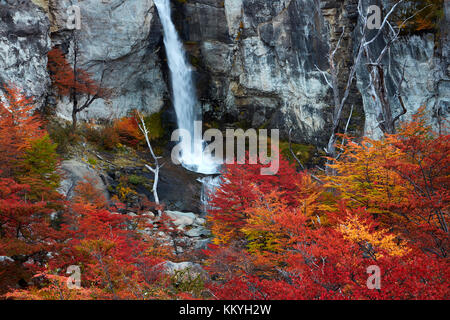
24 43
257 63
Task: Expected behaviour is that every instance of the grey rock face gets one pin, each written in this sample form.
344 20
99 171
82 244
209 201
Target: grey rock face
75 172
426 81
423 83
265 71
121 37
24 43
258 62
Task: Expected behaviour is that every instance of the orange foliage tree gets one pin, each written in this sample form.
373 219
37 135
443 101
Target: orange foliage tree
403 180
387 207
18 128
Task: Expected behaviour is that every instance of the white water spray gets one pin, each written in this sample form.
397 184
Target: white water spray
210 184
184 96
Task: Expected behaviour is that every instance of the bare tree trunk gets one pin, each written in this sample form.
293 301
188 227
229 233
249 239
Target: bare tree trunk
377 73
377 83
157 167
100 92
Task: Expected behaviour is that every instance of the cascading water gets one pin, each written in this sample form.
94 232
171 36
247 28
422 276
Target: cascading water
184 96
209 186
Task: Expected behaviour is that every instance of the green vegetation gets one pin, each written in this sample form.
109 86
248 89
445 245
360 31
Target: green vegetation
304 152
137 180
188 281
154 125
40 162
63 135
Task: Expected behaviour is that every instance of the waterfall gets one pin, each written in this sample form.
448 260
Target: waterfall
209 186
184 95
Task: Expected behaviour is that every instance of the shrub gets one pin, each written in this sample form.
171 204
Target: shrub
129 133
137 180
63 135
105 137
40 162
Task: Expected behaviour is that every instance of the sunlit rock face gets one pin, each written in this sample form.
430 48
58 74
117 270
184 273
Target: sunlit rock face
24 43
121 37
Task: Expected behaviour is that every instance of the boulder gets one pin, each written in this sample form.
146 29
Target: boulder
74 172
192 270
202 244
198 232
182 219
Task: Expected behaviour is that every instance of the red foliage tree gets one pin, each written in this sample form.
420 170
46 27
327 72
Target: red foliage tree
112 254
388 208
241 183
74 82
424 165
26 235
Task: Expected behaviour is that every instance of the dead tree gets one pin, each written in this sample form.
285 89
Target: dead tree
156 168
376 82
331 78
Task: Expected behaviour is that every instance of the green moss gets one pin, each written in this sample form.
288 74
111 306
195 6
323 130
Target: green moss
305 153
137 180
195 61
154 125
243 124
92 161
